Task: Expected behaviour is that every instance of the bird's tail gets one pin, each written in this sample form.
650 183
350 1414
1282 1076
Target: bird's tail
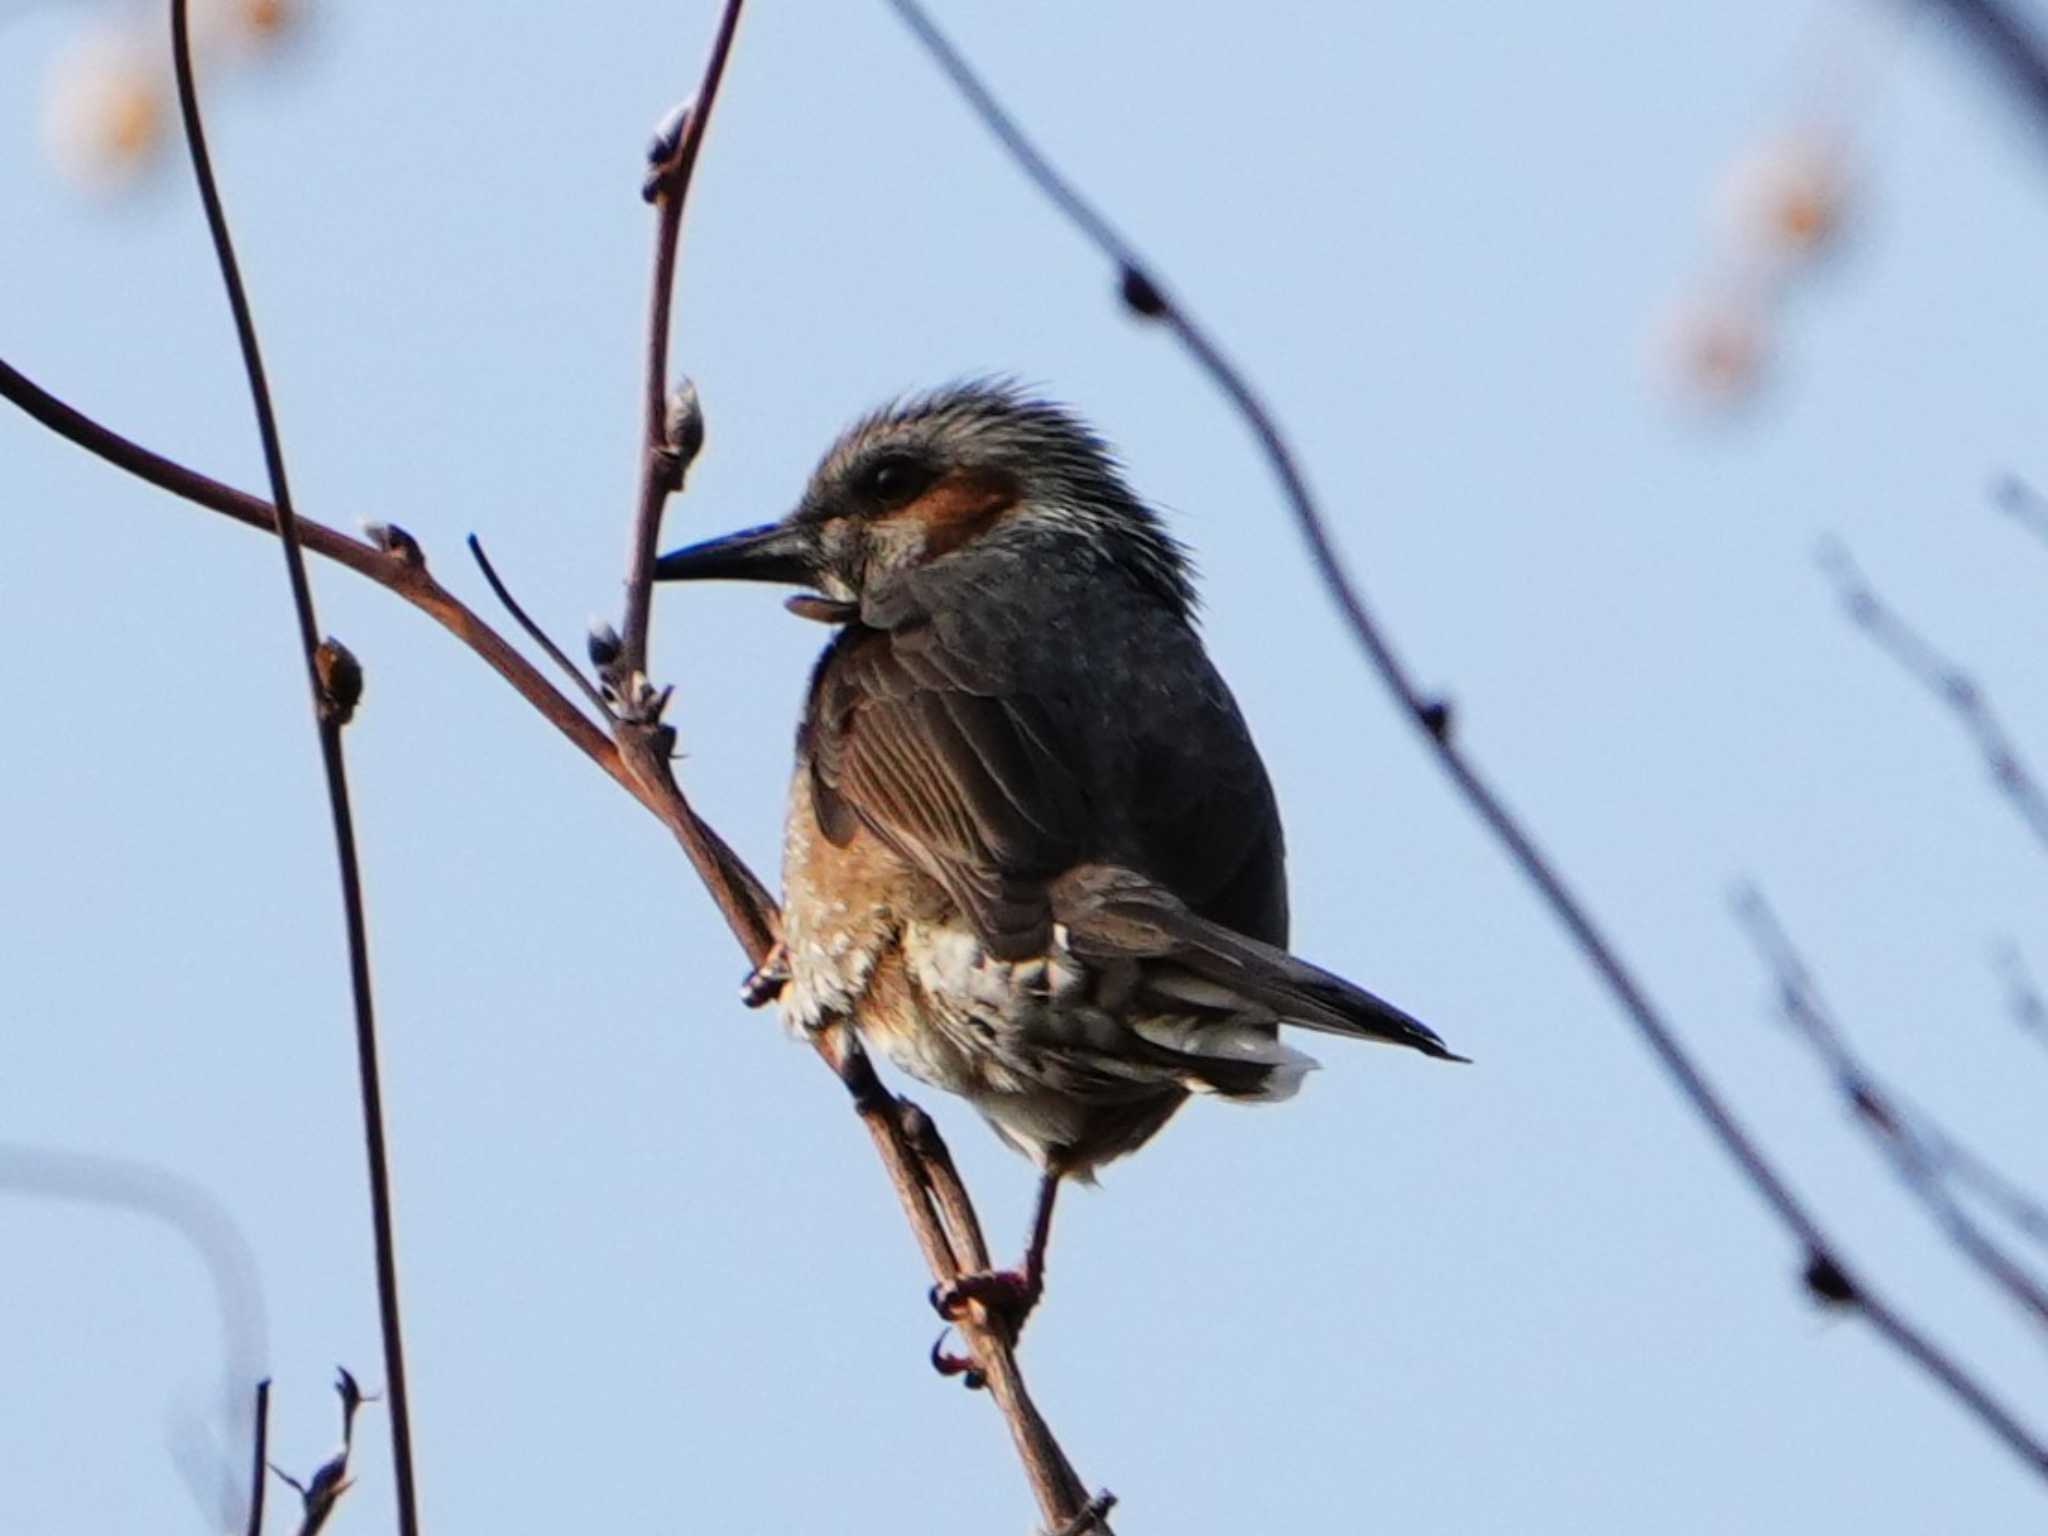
1189 964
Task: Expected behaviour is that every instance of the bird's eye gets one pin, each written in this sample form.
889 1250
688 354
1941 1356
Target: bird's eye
893 481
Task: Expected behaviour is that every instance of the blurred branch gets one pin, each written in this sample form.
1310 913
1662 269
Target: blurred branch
1908 1140
2010 43
2025 505
2023 999
1944 679
205 1225
333 702
1145 295
1993 1187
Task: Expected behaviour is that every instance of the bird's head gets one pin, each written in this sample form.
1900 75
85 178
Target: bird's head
940 485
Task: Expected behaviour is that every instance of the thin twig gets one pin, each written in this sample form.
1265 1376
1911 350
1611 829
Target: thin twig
1894 1128
642 741
668 188
328 720
258 1479
1992 1185
2023 999
2023 504
1144 294
535 633
1944 679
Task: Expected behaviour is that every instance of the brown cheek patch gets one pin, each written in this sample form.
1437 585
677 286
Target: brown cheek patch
962 506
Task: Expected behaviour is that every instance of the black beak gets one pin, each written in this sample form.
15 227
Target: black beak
773 552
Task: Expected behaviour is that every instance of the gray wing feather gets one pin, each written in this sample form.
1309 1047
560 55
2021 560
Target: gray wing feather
979 750
1115 916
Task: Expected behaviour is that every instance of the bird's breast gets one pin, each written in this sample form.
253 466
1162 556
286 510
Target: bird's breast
843 906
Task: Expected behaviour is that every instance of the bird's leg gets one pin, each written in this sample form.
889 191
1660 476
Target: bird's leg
1008 1295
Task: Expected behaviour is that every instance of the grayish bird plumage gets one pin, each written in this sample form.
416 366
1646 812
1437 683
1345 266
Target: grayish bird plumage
1032 852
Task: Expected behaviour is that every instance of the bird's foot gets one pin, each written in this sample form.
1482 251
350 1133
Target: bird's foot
1005 1296
946 1363
765 982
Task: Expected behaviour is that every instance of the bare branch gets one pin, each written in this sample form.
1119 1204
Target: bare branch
2025 505
1895 1129
394 564
2008 42
674 427
1942 678
1145 295
329 713
1969 1169
258 1483
2023 999
535 633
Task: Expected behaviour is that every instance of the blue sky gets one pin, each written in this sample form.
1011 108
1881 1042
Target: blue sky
652 1274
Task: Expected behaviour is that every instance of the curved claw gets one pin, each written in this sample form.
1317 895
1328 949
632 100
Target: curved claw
948 1300
947 1363
764 984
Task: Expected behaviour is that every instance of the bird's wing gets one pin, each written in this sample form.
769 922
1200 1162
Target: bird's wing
978 789
983 750
1185 963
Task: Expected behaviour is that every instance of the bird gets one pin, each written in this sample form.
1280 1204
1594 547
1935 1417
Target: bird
1031 852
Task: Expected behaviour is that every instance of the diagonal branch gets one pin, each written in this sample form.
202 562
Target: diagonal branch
2023 504
2023 999
395 563
1944 679
2009 43
1909 1141
1143 293
534 632
1995 1188
332 704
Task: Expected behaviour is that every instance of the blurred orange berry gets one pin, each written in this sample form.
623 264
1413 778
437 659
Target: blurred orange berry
105 105
1713 347
266 15
1786 200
